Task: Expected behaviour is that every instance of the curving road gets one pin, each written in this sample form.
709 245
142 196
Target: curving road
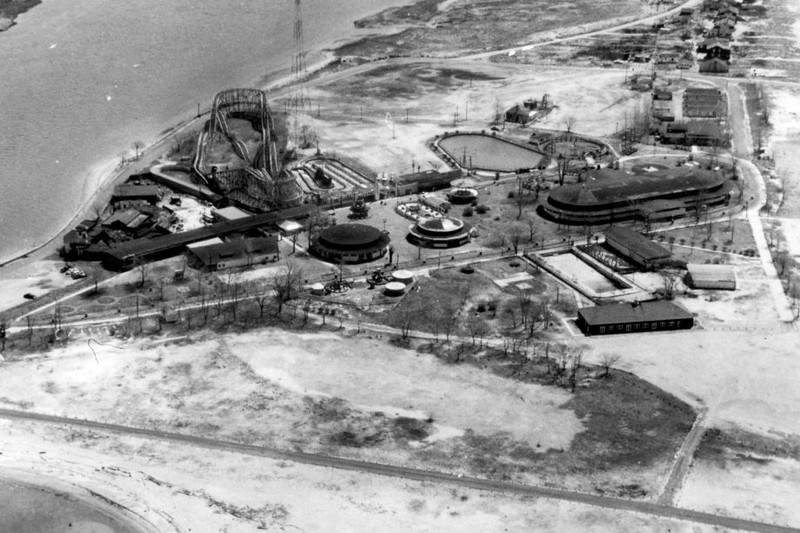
652 509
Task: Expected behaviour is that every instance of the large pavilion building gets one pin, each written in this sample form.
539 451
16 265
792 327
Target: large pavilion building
655 194
350 243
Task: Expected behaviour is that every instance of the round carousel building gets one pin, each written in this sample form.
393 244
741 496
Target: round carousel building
440 232
350 243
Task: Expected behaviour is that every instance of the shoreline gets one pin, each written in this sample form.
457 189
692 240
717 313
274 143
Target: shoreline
277 81
79 497
11 10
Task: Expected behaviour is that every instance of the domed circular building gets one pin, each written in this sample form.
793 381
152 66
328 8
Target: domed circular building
444 232
350 243
462 195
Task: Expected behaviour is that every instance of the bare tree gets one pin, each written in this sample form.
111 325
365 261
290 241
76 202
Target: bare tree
408 316
515 233
286 285
234 289
476 327
569 123
137 147
533 226
669 280
144 269
607 360
262 293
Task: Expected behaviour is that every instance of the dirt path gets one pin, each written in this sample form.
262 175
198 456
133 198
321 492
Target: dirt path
645 20
653 509
683 460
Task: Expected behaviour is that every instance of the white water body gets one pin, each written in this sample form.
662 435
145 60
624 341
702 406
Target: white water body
80 81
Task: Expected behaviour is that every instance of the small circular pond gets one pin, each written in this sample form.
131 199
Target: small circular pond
484 152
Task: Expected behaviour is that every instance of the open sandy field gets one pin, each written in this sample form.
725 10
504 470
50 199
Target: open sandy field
179 489
365 115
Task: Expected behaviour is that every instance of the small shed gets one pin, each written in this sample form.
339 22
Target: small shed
518 114
289 227
711 276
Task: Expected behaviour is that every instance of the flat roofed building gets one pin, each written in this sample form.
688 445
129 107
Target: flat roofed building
289 227
234 254
227 214
636 247
636 317
207 242
711 276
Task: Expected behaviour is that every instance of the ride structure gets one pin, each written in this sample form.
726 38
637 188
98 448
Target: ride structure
244 167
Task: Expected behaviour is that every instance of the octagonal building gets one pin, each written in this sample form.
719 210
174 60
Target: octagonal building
350 243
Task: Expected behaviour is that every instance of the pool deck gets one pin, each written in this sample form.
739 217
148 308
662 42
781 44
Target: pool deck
632 292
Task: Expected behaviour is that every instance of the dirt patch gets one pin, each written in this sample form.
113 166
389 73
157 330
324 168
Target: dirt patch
478 25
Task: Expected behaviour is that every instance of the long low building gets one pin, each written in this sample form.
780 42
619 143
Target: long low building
234 254
711 276
127 254
608 195
636 248
636 317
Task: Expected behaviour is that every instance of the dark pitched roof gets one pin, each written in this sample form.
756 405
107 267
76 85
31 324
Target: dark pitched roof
174 242
626 313
212 254
134 191
637 242
428 175
606 186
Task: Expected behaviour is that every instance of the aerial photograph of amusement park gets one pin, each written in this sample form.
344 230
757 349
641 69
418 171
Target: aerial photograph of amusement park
399 265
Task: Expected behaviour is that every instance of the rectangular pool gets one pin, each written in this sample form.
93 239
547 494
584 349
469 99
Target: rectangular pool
581 273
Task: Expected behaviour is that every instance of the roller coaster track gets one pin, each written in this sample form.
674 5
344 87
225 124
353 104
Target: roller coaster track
238 145
259 182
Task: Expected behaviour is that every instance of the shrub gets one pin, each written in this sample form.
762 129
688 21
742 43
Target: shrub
511 194
481 209
467 211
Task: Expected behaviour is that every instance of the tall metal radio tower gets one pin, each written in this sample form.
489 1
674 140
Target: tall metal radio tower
299 99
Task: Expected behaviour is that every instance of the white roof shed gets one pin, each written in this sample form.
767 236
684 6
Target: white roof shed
711 276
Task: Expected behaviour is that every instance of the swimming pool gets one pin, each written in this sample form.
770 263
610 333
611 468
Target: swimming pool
484 152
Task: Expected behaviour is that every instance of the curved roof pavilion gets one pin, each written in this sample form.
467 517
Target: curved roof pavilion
605 188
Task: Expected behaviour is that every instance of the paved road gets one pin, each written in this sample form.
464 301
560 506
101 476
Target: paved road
653 509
